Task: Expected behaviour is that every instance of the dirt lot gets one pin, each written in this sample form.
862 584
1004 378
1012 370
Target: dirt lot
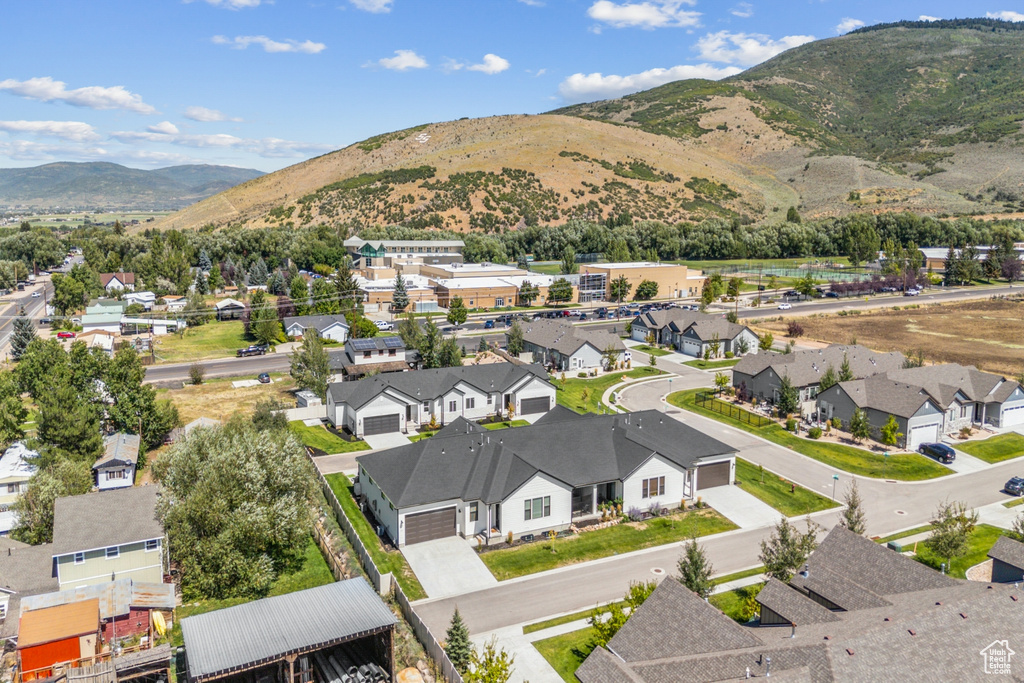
218 400
987 334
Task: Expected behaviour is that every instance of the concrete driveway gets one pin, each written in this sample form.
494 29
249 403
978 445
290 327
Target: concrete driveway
447 567
379 442
741 508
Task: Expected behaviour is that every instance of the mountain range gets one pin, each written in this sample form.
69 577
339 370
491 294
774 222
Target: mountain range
112 186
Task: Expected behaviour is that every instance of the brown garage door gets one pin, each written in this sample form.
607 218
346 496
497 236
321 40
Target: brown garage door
535 405
712 475
426 526
382 424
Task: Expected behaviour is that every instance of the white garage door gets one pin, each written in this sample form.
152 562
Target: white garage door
691 348
923 434
1012 417
639 333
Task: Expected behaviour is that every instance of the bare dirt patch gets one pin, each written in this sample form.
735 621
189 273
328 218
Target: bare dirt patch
987 334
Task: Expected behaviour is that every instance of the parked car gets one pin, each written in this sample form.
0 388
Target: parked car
784 306
489 325
939 451
64 334
832 295
264 378
914 291
252 350
583 316
384 325
1015 486
36 295
45 321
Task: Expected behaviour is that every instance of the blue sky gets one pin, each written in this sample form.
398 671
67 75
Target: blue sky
267 83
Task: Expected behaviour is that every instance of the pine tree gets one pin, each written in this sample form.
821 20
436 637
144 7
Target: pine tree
515 339
200 283
457 645
204 261
521 262
430 344
845 374
828 380
449 355
695 570
482 347
400 298
853 516
258 273
299 293
348 291
22 335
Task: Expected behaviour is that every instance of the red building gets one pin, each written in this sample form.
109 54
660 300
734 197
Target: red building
65 633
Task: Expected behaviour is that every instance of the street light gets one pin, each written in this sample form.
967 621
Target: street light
835 478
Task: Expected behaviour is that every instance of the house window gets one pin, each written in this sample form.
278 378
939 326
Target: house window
470 302
79 558
490 400
152 545
392 352
115 474
426 405
499 301
451 406
474 512
12 488
655 486
367 354
113 553
537 508
964 410
470 403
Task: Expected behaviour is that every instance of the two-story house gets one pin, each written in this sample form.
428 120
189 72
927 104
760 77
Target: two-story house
115 469
109 535
373 355
15 471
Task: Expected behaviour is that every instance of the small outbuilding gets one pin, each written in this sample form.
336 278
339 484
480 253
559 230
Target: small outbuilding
1007 560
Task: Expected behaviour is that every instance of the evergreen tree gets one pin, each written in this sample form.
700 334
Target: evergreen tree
457 312
515 339
890 432
430 346
258 273
310 366
275 283
204 261
852 517
349 297
21 336
400 298
792 216
456 643
521 262
695 569
12 410
68 426
482 347
410 331
828 380
845 373
325 298
299 293
200 284
766 342
449 355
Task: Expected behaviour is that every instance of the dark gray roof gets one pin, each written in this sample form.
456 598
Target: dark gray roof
575 449
1009 551
793 605
118 450
943 382
566 338
318 322
226 640
105 519
378 342
24 570
807 367
424 385
886 395
677 318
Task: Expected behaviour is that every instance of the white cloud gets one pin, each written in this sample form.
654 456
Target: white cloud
66 130
204 115
745 49
264 147
925 17
374 6
743 10
232 4
848 24
1005 15
268 45
650 14
165 127
46 89
532 3
581 87
403 61
492 64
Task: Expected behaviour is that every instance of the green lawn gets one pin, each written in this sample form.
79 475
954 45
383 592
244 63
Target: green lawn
731 602
903 467
905 534
651 350
566 652
1013 503
775 491
421 436
313 572
726 578
505 425
571 396
622 538
212 340
321 439
712 364
558 621
982 540
995 448
386 561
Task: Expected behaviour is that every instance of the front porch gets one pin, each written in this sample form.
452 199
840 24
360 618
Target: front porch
587 500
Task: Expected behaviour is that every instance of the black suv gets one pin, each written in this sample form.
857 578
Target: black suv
939 451
253 350
1015 486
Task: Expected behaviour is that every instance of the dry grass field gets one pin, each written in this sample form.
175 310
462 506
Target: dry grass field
217 399
987 334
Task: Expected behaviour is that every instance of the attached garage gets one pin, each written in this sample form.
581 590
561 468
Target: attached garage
715 474
639 333
691 348
382 424
530 406
929 433
428 526
1012 416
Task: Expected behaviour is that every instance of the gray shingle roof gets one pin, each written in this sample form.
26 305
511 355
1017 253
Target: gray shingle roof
1009 551
119 449
228 639
424 385
793 605
705 330
943 381
25 570
886 395
567 338
576 450
105 519
807 367
675 317
317 322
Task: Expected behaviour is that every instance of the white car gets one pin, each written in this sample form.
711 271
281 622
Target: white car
384 325
785 306
36 295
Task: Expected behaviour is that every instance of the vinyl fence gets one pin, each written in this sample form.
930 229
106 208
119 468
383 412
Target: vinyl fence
707 400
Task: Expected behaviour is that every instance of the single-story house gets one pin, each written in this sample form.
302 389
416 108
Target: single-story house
145 299
658 323
15 473
100 339
1007 560
381 355
918 416
714 336
760 375
229 309
175 303
401 402
525 481
108 321
564 347
327 326
967 395
115 469
114 282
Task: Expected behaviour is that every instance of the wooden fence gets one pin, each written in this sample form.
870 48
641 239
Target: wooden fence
424 635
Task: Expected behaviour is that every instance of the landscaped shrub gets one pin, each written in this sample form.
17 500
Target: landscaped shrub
635 514
814 432
837 423
791 424
794 329
730 354
581 374
656 510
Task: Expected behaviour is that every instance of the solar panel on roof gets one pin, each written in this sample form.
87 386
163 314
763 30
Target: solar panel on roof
393 342
363 344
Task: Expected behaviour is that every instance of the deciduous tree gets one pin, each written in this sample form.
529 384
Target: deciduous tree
34 508
786 550
310 366
951 533
457 312
852 517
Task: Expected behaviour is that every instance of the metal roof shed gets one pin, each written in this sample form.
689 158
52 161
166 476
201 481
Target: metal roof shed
278 629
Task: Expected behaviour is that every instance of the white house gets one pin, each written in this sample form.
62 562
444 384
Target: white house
327 326
145 299
402 402
562 346
372 355
175 303
115 469
15 472
525 481
115 282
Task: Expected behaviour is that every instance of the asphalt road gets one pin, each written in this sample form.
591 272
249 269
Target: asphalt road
11 307
226 367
